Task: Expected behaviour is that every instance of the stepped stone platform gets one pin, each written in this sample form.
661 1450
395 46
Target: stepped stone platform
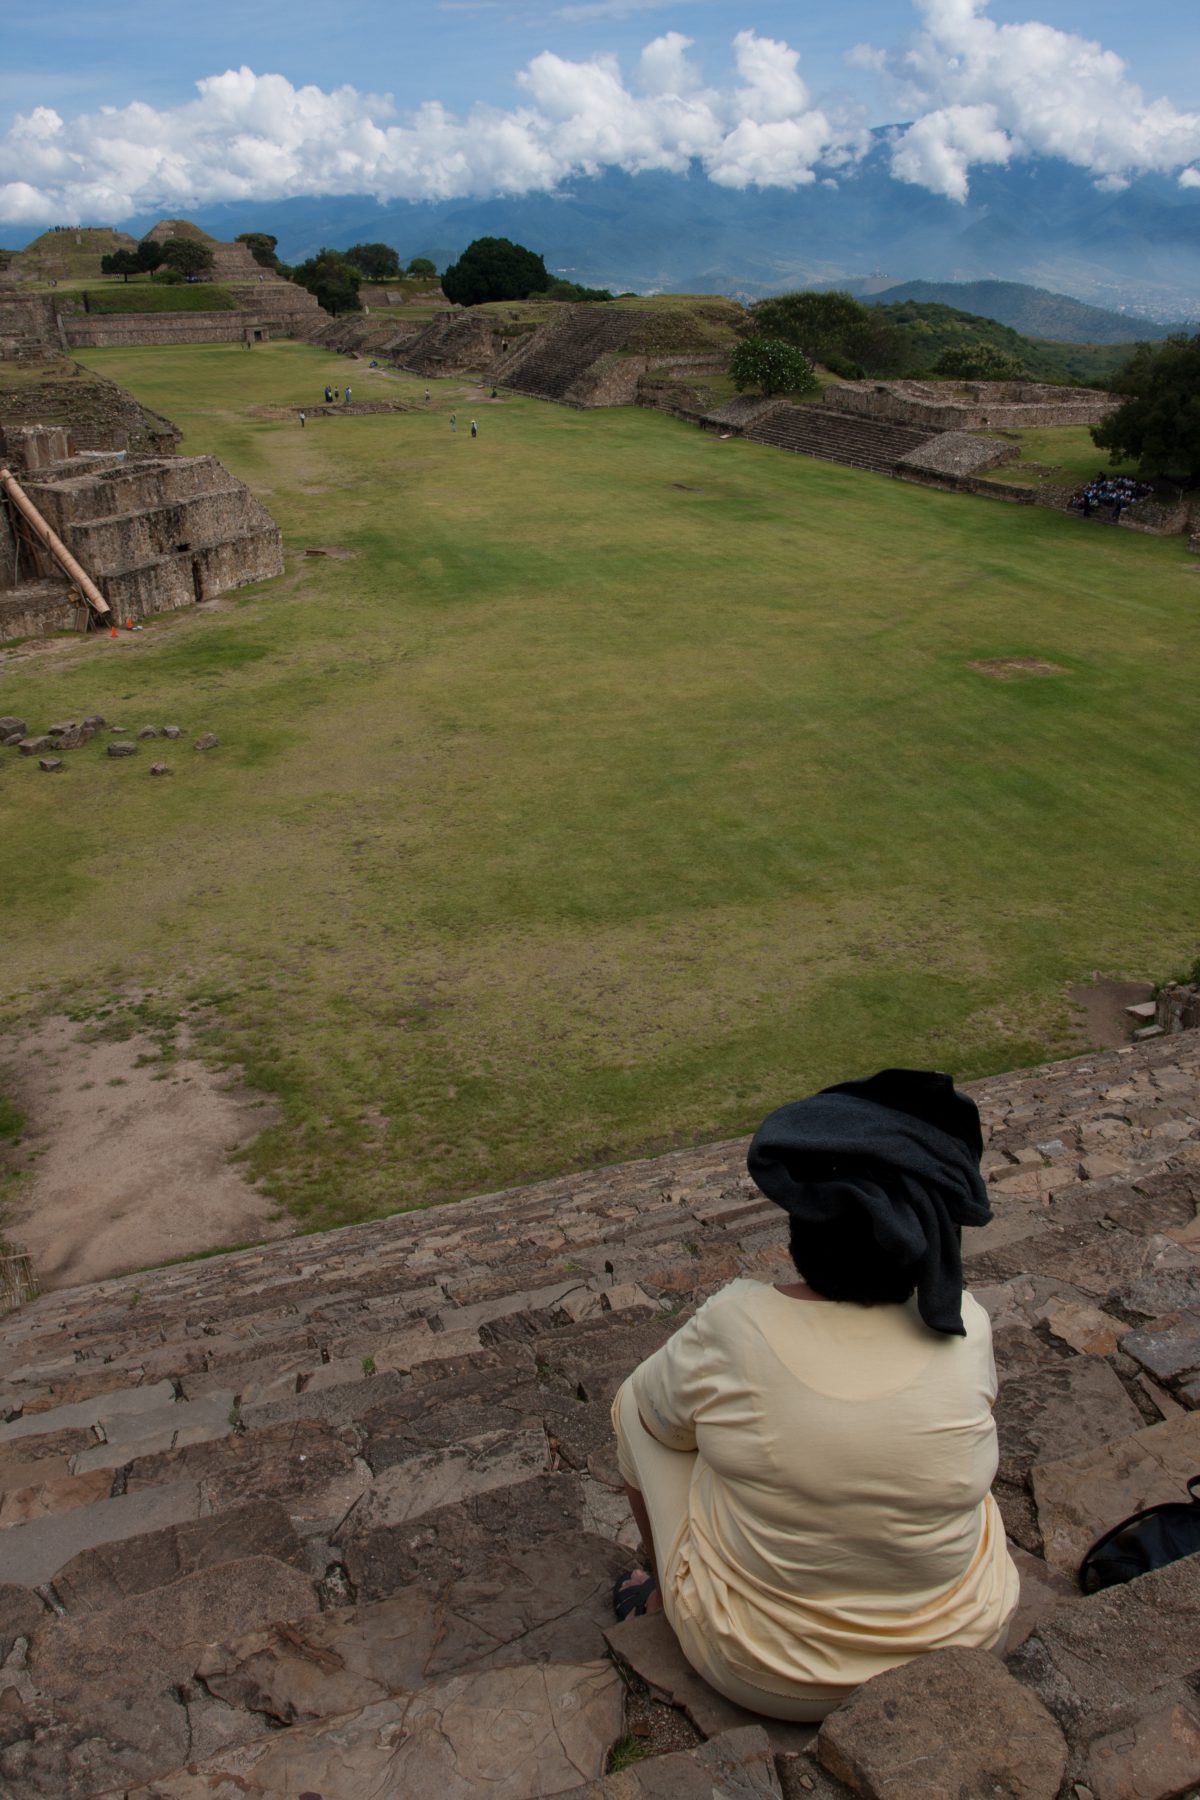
861 443
340 1515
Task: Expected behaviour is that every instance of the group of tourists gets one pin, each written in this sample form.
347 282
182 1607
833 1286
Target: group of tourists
454 425
1109 492
332 394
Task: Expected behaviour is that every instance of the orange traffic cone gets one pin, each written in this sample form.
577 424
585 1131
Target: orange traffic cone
129 624
114 631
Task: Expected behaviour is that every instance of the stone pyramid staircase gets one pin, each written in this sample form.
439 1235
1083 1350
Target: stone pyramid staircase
161 533
837 436
340 1516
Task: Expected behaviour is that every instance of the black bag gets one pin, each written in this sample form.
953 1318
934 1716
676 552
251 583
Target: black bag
1146 1540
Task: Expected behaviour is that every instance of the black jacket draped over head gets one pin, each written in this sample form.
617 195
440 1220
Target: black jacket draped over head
899 1151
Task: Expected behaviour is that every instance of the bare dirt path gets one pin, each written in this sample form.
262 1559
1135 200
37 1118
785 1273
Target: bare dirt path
125 1159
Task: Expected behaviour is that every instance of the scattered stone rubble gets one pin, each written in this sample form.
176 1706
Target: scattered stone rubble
341 1515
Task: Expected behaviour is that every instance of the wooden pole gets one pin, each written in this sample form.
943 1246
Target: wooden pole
46 535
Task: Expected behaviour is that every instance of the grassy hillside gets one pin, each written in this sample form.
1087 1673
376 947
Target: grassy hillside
159 297
932 328
1034 312
618 785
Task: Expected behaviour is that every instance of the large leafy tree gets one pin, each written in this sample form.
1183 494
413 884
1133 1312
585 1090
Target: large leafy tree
377 262
121 262
1159 423
187 257
494 269
771 366
422 269
333 281
262 247
832 328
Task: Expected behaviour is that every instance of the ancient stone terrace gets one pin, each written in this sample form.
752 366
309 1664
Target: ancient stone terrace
860 443
340 1515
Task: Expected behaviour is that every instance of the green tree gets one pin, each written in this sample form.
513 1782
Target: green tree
121 262
1159 422
333 281
979 362
421 269
772 366
832 328
377 262
187 257
494 269
149 255
262 247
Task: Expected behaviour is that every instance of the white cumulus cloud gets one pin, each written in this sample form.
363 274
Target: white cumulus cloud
249 137
977 93
980 92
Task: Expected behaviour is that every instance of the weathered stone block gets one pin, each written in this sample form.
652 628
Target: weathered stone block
1080 1497
1059 1409
50 765
903 1737
122 747
98 1578
1119 1654
1169 1349
12 727
208 741
519 1733
37 746
1155 1758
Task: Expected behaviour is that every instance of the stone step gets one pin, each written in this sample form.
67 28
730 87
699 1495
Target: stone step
517 1733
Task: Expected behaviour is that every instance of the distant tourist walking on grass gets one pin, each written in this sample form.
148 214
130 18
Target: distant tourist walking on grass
347 396
474 429
427 396
303 420
454 421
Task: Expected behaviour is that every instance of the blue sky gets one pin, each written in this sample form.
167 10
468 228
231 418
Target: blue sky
517 96
78 57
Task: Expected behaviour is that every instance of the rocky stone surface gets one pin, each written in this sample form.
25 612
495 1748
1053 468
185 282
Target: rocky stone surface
298 1492
122 747
516 1734
207 741
50 765
902 1736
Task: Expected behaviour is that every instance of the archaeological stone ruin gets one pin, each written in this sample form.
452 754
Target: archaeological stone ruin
340 1515
154 533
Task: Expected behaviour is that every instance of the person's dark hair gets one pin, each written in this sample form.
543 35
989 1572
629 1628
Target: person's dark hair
842 1261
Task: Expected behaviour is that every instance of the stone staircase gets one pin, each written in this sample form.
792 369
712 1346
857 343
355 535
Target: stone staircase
837 436
340 1515
557 360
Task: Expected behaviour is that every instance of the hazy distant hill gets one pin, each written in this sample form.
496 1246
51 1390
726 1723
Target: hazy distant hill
1041 222
1033 311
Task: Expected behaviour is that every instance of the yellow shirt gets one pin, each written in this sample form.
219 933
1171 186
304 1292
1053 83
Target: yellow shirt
839 1518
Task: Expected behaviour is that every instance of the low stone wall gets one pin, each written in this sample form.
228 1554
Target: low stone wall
33 612
611 380
116 331
1177 1007
971 406
960 453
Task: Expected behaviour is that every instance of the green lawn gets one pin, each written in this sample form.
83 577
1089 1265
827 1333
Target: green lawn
1061 454
623 784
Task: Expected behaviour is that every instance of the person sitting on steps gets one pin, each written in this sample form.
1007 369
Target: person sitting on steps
810 1464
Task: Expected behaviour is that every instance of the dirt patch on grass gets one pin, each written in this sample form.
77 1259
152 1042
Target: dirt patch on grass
1009 668
337 551
1102 1022
125 1159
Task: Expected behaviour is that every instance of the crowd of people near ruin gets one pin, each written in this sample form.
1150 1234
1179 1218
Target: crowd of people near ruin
1109 493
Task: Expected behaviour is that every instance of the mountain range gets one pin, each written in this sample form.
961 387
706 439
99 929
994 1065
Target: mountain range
1037 221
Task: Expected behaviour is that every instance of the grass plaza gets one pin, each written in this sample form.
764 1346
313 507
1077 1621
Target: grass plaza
615 785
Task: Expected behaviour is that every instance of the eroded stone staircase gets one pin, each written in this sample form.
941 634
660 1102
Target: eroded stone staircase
340 1515
837 437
